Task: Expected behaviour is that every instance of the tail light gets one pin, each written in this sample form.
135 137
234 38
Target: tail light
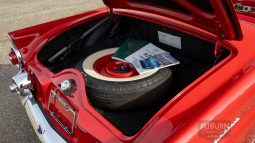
15 56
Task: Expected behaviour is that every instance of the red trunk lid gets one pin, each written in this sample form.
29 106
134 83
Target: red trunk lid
245 2
215 16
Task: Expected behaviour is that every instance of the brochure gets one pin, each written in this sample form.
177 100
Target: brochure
149 58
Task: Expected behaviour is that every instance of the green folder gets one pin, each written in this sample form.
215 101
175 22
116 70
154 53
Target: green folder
127 48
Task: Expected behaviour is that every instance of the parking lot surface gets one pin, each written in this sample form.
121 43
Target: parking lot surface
17 14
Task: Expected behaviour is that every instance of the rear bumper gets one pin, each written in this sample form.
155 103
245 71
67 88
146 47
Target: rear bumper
41 126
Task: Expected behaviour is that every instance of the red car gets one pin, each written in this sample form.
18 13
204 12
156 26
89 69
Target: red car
73 91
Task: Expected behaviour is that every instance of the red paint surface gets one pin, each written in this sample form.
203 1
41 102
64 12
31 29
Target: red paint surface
247 14
245 2
246 18
109 67
222 21
225 92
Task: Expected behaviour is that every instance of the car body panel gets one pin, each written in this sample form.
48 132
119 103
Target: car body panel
37 36
221 20
245 2
222 93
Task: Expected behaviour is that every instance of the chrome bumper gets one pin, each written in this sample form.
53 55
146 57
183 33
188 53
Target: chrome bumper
41 126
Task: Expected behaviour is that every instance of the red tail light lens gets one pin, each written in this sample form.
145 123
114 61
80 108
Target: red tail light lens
15 55
13 58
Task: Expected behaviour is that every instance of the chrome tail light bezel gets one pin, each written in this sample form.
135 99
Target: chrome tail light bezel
17 53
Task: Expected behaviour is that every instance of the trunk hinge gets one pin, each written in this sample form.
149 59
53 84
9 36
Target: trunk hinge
218 50
220 38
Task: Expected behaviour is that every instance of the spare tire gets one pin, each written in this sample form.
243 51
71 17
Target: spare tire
124 89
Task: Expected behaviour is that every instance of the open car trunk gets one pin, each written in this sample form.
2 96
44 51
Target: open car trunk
196 56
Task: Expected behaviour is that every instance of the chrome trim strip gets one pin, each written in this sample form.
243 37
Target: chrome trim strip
244 8
41 126
60 123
